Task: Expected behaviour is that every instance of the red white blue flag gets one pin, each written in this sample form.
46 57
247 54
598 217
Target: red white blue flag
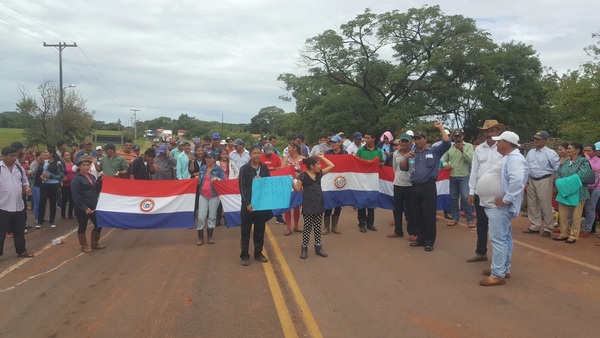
386 189
141 204
353 181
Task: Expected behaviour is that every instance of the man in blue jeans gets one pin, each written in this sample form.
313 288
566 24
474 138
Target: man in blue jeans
458 159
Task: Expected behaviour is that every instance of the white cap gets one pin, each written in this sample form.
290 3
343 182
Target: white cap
411 133
99 148
447 131
508 136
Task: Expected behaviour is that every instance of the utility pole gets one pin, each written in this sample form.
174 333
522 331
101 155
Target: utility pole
134 123
60 47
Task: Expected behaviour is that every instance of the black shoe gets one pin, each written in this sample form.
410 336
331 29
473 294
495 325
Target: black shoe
546 234
261 258
245 262
428 248
529 231
363 228
416 243
371 227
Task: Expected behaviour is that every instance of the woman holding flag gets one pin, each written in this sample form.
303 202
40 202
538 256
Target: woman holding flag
309 182
85 195
208 201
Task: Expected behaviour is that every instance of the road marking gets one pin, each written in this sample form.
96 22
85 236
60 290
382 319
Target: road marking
308 318
289 330
550 253
23 261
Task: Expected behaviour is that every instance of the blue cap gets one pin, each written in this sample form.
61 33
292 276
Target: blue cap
216 135
597 145
357 136
335 138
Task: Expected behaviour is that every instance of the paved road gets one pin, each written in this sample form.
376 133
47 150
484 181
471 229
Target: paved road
160 284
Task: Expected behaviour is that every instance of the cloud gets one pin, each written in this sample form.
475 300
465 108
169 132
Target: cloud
205 58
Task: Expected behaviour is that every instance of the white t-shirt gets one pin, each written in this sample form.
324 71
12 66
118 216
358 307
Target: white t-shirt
489 187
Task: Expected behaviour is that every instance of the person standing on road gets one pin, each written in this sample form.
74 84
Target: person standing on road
458 159
309 182
143 167
248 172
208 200
13 184
423 193
84 189
51 177
485 156
501 194
402 188
336 149
366 216
543 163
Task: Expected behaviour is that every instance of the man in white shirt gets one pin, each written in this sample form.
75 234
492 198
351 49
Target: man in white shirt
357 143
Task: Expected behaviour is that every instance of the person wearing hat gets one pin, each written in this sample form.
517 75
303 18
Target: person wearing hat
337 148
84 189
357 142
112 164
458 159
423 193
485 156
262 140
240 156
543 164
269 158
402 188
183 161
165 164
143 167
99 152
178 150
215 143
501 194
14 183
208 201
86 149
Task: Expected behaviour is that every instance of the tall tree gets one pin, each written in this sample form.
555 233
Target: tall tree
45 125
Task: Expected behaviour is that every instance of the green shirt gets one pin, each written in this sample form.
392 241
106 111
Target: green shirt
111 166
459 160
368 155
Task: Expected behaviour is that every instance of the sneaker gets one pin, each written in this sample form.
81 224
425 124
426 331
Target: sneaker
363 228
245 262
53 225
38 226
261 258
546 234
280 220
9 235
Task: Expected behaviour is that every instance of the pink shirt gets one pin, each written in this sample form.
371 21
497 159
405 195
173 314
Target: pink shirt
206 192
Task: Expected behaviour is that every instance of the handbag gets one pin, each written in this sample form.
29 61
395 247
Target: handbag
591 177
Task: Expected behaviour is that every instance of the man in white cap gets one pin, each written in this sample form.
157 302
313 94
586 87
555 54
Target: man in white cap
501 194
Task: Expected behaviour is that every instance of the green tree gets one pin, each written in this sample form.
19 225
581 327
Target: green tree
45 124
268 120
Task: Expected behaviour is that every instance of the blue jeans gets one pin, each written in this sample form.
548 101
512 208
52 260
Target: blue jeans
207 207
590 211
500 232
35 194
460 185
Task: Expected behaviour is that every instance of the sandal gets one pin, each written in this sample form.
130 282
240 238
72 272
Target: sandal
471 225
452 223
297 230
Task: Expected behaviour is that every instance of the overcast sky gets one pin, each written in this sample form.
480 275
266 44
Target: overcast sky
208 58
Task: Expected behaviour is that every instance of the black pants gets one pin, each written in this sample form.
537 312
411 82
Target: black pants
336 211
423 198
13 222
366 216
66 197
258 218
82 221
402 206
47 192
482 228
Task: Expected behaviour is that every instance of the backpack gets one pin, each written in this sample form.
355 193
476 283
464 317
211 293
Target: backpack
591 177
21 169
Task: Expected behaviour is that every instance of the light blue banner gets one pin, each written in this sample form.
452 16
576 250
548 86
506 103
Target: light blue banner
269 193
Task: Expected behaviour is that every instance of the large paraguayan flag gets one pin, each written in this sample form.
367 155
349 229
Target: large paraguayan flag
353 181
141 204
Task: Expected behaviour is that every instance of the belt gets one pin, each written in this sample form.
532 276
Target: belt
540 178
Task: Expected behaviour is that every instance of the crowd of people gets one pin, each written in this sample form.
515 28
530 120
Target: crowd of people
487 184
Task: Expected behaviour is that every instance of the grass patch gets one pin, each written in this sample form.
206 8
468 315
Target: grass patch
10 135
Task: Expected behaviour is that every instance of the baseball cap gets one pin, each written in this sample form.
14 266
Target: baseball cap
99 148
335 138
223 142
357 136
405 137
341 134
458 132
238 141
597 145
216 135
508 136
420 134
135 147
410 132
172 141
196 139
109 146
263 137
268 148
161 149
541 135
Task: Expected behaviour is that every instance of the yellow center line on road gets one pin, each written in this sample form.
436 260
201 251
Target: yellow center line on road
308 318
